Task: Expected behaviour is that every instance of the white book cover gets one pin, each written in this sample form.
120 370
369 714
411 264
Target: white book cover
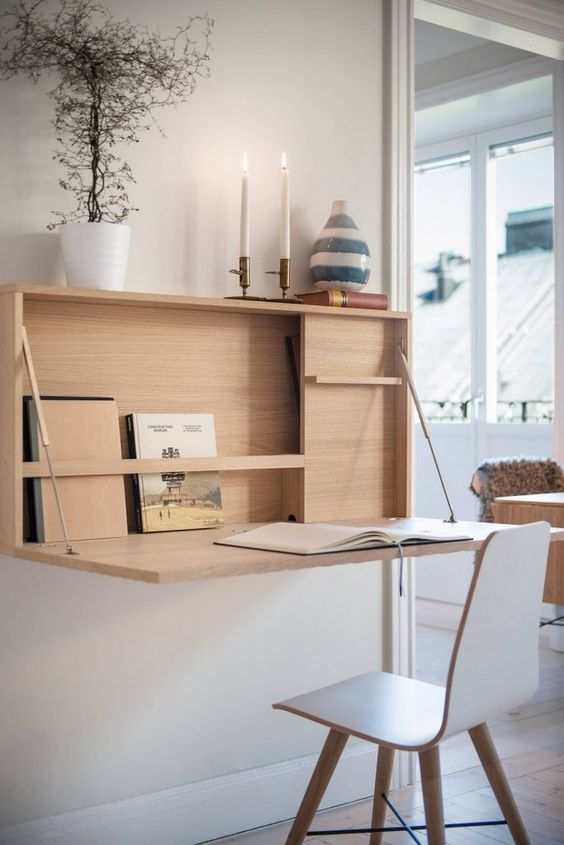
321 538
176 500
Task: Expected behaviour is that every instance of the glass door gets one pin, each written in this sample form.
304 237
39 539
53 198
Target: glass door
483 316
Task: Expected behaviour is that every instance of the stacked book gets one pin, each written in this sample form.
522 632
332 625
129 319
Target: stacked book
345 299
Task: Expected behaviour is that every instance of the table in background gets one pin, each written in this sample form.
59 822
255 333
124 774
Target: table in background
517 510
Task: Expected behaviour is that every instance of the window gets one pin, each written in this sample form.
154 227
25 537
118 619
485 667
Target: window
484 323
442 286
524 199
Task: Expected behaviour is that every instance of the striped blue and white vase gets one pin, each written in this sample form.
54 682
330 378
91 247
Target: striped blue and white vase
340 259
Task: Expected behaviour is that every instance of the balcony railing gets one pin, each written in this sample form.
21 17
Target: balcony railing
508 410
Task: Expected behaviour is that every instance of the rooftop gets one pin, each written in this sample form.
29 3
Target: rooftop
525 316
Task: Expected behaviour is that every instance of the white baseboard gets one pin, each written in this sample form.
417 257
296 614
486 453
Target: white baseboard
197 812
438 614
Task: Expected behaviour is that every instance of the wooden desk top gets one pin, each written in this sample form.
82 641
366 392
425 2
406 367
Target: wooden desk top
192 555
550 499
530 508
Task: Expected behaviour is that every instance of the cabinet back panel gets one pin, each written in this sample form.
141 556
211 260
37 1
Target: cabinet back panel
152 360
350 348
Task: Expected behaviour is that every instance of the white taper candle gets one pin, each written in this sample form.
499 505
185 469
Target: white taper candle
285 210
244 244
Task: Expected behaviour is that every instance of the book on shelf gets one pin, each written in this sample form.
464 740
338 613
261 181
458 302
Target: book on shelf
176 500
345 299
317 538
79 428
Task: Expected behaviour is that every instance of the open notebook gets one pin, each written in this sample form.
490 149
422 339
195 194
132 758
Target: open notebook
320 538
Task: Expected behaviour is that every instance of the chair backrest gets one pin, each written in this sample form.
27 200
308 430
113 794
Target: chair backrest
494 664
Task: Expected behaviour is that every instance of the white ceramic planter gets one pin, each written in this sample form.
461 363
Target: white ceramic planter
95 254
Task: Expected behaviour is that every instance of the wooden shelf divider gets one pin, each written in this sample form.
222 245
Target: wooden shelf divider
369 380
32 469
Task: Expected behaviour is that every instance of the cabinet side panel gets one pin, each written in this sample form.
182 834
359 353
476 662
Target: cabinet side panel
349 430
293 494
404 417
11 363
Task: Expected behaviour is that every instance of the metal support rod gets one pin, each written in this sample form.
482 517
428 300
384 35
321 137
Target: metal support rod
401 820
424 426
404 826
45 438
397 828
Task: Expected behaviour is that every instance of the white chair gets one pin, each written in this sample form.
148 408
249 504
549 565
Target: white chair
493 668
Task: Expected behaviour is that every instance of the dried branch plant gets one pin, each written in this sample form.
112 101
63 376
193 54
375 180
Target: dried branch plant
112 76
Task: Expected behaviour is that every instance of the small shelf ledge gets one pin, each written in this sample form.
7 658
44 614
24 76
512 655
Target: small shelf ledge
370 380
129 466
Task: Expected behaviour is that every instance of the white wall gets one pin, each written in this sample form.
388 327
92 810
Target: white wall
304 78
112 689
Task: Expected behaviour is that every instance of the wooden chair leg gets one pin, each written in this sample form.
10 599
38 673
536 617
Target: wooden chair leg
382 785
483 743
430 765
328 759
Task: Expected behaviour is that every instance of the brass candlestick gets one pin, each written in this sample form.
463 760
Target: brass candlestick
244 273
284 274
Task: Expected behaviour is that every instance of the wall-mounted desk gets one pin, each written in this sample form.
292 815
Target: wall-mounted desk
192 555
546 506
345 454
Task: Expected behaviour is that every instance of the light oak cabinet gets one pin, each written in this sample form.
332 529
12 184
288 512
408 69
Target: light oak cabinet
345 456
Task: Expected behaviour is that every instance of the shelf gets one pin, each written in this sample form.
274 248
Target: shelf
194 303
369 380
129 466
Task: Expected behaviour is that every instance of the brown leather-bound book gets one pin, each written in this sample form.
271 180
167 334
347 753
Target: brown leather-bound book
345 299
93 505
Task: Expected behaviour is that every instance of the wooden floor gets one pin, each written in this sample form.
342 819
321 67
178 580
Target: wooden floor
530 743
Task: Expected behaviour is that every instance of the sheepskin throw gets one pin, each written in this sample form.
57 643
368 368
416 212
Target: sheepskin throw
514 477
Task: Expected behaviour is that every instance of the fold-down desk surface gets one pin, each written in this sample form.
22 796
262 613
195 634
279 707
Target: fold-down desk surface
192 555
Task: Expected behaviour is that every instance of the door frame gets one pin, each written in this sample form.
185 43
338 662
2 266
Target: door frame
513 22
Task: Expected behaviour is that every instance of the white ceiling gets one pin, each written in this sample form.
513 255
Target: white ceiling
435 42
513 103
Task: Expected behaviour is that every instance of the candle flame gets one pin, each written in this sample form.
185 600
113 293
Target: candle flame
245 163
284 162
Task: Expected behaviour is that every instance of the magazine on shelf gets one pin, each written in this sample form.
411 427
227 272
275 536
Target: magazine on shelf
317 538
175 500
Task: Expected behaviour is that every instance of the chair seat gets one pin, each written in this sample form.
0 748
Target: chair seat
378 706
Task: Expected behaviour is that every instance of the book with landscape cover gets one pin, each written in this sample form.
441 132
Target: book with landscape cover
79 428
345 299
317 538
174 501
